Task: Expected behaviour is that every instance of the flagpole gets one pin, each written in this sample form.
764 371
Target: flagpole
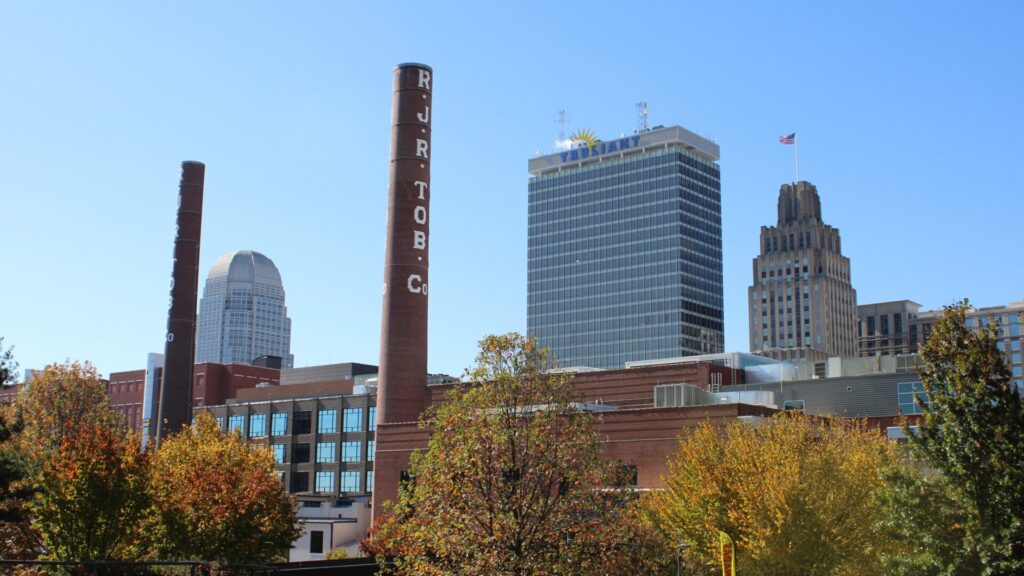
796 141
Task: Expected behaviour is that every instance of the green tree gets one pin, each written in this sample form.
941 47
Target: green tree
92 502
797 495
218 498
972 431
8 367
923 513
512 482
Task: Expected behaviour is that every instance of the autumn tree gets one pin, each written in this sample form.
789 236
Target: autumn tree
798 495
18 539
61 400
91 501
219 498
512 482
972 432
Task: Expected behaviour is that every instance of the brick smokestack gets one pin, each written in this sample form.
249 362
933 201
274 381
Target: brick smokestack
402 380
175 397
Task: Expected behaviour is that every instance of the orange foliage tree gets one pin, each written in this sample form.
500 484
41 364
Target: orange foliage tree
91 501
219 498
513 482
798 495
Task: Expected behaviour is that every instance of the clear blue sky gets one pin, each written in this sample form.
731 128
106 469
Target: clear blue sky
910 118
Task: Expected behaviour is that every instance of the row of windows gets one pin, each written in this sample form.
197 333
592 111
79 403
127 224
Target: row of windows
327 422
324 481
326 452
607 202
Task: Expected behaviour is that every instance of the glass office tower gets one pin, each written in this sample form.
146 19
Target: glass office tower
242 314
625 249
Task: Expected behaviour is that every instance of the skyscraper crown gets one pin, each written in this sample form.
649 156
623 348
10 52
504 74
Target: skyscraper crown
799 202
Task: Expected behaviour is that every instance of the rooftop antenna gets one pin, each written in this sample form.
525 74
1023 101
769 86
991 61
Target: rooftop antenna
641 114
563 118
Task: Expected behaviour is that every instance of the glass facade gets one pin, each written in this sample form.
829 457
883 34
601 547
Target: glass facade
906 392
625 258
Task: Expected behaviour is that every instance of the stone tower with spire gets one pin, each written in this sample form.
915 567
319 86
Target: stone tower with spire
802 303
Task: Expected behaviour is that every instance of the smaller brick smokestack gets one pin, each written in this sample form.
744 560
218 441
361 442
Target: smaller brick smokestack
175 397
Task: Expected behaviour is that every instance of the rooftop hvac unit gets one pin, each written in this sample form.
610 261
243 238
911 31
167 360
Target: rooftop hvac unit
676 395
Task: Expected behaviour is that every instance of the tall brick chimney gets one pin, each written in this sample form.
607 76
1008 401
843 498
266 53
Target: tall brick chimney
175 398
402 380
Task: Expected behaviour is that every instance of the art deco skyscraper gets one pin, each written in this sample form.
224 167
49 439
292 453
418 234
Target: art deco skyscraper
242 315
802 304
625 249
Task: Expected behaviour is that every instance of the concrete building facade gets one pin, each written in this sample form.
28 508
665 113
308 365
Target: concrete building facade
802 304
888 328
899 327
625 249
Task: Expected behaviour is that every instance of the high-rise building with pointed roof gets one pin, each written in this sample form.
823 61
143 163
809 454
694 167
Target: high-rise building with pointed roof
242 315
802 303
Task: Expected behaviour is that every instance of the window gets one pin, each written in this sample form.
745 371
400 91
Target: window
279 424
236 423
325 481
300 482
325 451
302 424
371 419
278 453
350 451
371 446
327 422
220 422
350 481
793 405
353 420
369 480
257 425
906 393
300 453
316 542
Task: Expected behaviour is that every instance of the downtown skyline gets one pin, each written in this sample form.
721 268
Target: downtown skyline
908 124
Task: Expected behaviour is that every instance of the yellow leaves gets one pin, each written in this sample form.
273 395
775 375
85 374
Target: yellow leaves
792 491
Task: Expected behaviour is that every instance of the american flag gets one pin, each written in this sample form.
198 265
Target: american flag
788 139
